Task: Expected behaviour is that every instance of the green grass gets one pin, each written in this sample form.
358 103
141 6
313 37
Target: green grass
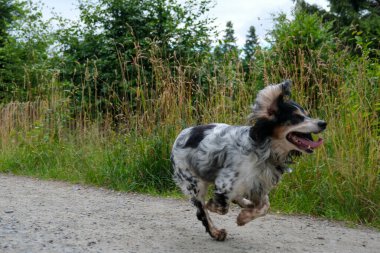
125 163
321 184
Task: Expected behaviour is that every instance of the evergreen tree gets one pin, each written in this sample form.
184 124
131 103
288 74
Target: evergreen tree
251 44
227 47
229 39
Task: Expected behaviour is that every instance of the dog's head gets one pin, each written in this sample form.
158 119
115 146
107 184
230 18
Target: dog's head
288 125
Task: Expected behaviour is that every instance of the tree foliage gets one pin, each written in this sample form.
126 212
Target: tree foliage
24 42
351 18
110 52
10 11
115 31
116 39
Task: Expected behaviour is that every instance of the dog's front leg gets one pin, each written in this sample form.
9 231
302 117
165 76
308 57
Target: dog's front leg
224 184
251 213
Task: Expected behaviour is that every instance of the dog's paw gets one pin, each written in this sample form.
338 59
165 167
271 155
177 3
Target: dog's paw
243 218
219 234
241 222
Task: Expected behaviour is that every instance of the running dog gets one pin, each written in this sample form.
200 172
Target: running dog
243 162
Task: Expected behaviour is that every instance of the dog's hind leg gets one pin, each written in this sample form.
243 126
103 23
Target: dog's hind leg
197 189
204 217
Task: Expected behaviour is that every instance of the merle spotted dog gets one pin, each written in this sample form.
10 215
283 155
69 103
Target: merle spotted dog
243 162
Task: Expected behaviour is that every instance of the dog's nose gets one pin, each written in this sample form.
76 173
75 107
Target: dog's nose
322 124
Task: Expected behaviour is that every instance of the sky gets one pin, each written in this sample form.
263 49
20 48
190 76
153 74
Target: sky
242 13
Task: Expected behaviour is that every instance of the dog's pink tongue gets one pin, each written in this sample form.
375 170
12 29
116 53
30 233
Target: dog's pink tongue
311 144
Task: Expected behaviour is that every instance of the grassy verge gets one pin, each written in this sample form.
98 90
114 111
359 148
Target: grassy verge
340 181
120 162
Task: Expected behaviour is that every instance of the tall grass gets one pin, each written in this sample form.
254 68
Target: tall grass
58 137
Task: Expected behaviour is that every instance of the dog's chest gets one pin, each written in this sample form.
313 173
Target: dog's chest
257 180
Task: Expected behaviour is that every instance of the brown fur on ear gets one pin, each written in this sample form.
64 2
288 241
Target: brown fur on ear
265 105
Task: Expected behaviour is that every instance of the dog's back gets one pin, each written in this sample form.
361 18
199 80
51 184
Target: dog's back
205 150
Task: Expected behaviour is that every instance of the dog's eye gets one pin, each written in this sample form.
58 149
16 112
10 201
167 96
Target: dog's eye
297 119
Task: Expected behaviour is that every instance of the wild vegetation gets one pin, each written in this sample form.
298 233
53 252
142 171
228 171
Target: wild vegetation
101 101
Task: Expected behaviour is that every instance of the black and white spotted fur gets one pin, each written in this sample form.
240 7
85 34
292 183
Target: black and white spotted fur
242 162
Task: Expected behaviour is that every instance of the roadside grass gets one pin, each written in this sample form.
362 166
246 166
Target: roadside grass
125 163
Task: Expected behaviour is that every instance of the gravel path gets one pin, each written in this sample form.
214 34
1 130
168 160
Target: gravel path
41 216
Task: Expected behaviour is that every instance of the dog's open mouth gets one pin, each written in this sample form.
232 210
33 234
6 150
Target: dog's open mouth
304 141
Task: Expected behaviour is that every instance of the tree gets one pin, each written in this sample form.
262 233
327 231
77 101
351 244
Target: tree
24 43
227 47
110 52
360 16
229 39
251 44
117 27
351 18
10 11
250 47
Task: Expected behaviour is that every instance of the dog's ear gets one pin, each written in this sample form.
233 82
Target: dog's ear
286 85
267 100
285 93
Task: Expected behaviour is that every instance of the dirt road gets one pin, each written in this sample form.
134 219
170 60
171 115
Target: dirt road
40 216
